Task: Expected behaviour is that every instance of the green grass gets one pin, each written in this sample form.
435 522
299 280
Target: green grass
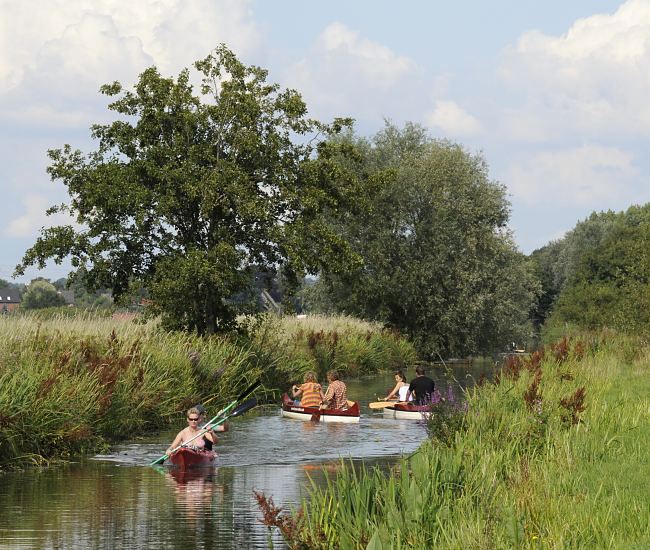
522 473
72 384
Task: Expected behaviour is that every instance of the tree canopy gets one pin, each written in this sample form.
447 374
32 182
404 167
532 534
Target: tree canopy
40 294
608 284
187 190
438 260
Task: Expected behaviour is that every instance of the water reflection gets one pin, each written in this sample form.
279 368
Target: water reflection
118 501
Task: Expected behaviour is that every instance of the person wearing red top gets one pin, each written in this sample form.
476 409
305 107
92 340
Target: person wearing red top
336 396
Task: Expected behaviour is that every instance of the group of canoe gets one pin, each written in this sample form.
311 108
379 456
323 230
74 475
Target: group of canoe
404 401
309 402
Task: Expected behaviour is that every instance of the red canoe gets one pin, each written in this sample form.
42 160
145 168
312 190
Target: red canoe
186 458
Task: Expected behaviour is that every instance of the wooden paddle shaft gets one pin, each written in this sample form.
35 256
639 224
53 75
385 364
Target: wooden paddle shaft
382 404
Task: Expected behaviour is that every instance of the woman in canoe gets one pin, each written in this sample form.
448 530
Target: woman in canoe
193 429
401 388
310 392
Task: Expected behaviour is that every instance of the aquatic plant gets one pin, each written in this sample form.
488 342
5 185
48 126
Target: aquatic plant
70 384
543 460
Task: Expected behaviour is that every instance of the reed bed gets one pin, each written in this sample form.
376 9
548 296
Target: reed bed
320 343
72 384
552 454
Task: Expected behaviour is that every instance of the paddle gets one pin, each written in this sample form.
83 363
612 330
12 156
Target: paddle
241 409
315 416
382 404
222 412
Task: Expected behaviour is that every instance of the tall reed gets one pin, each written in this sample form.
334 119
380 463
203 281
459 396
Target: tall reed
553 454
70 384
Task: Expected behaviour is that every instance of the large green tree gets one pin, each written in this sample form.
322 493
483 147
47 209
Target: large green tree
41 293
556 263
439 262
610 284
187 190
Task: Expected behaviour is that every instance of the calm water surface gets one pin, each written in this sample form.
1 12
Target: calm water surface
118 501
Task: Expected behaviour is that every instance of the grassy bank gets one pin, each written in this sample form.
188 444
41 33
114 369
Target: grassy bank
554 454
71 384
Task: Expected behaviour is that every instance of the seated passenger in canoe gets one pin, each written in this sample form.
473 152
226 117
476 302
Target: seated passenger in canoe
421 388
310 392
400 391
202 420
193 429
336 396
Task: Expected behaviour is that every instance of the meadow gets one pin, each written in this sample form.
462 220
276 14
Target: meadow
72 384
552 454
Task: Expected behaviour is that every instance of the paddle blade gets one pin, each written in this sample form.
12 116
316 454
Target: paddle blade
315 417
245 406
248 390
381 404
159 460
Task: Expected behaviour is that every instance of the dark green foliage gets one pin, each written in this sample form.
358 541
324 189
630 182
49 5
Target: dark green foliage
555 264
447 417
608 285
41 294
438 261
186 191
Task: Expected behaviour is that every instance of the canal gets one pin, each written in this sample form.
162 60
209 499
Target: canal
117 501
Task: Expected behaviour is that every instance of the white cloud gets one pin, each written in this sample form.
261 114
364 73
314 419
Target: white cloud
586 176
347 74
34 218
54 55
453 120
595 78
172 32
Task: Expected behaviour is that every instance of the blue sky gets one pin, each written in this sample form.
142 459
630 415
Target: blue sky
553 93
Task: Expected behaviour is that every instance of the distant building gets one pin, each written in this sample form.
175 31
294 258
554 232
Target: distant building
9 299
68 296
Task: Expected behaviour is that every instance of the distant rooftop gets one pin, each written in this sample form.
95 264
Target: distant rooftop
9 295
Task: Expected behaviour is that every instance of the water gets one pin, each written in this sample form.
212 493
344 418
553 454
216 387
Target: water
118 501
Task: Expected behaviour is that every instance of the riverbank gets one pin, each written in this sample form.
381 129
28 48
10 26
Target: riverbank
72 384
554 454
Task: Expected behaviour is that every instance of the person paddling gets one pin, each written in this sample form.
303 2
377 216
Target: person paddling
221 428
401 388
336 396
192 430
310 393
421 388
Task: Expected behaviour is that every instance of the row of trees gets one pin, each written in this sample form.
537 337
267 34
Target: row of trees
598 274
41 293
191 193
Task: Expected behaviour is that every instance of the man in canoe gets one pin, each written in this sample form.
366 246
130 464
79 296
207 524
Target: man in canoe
336 396
421 388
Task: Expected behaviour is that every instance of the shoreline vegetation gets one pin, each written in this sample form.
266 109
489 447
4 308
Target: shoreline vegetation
552 453
71 385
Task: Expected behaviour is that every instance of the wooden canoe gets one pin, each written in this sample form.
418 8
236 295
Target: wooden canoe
291 410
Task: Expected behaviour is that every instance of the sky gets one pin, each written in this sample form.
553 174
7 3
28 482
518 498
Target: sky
553 94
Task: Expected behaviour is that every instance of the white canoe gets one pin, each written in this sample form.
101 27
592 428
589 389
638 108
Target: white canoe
350 415
406 411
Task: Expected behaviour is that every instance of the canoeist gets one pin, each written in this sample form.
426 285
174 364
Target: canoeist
310 392
401 388
421 388
336 396
192 430
202 420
